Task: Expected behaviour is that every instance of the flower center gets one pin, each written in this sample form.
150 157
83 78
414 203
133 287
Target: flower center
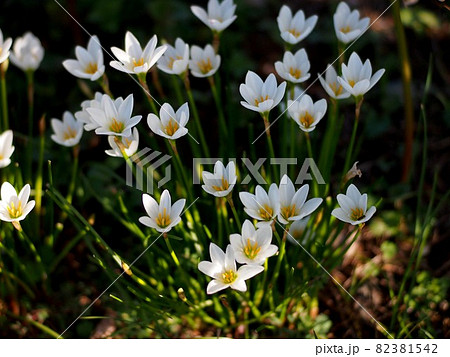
356 214
171 127
70 133
306 120
172 60
346 29
116 126
337 89
251 251
351 82
294 32
266 212
91 68
205 65
139 63
163 220
261 99
223 186
295 72
288 211
15 212
229 276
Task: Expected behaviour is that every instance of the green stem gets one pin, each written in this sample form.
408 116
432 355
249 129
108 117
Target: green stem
73 179
4 97
269 142
310 154
233 209
30 95
143 81
184 176
177 90
104 83
222 121
33 249
349 155
39 180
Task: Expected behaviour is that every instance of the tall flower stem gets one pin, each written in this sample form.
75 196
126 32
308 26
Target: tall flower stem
26 240
38 185
281 255
177 90
30 96
73 180
222 121
5 123
348 157
216 41
181 170
233 209
198 124
104 83
265 117
142 77
310 154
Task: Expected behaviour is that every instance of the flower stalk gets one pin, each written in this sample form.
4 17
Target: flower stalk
358 104
3 68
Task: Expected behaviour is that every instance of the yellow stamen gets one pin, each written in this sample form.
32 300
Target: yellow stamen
138 63
163 220
357 214
223 187
261 99
205 66
295 32
70 133
15 212
172 60
171 127
116 126
336 88
288 211
306 120
251 251
352 83
229 276
266 212
91 68
295 72
346 29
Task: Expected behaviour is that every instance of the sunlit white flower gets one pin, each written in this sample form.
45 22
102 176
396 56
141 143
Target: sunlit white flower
169 125
221 182
331 85
203 62
130 145
297 234
67 132
163 216
347 24
222 268
295 28
5 45
219 15
13 207
253 245
261 96
306 113
293 204
114 117
89 62
83 115
357 77
134 59
295 67
6 148
27 52
176 59
262 206
353 207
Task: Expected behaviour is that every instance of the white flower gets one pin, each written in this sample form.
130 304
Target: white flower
89 62
27 52
6 148
4 47
261 96
114 117
295 67
293 204
221 182
331 85
67 132
203 63
163 216
262 206
306 113
169 125
353 208
296 233
83 115
347 24
222 268
253 246
13 207
294 29
130 145
219 15
176 59
357 78
134 59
